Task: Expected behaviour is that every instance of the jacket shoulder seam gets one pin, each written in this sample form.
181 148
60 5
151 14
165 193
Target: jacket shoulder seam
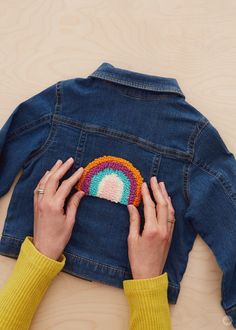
224 183
38 152
29 126
33 123
198 128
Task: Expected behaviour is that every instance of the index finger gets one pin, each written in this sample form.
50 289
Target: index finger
53 181
67 185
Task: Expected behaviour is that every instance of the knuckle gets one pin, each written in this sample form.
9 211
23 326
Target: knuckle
51 206
162 204
152 233
131 238
172 211
164 236
54 177
151 204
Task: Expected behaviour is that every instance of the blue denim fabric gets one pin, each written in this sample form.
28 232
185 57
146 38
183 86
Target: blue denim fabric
146 120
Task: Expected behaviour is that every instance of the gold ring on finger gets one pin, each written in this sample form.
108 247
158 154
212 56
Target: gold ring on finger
40 191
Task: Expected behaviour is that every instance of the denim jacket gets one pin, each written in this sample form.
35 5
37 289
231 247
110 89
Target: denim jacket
146 125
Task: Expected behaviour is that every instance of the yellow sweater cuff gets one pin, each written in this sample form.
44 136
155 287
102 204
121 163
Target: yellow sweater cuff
149 307
31 255
146 284
24 289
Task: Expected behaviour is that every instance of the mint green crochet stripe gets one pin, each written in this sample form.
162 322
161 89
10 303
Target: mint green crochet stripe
97 178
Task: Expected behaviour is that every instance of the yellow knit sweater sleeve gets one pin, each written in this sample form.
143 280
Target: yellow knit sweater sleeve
33 273
149 307
24 289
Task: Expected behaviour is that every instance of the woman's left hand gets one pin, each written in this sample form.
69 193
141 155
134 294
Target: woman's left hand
53 228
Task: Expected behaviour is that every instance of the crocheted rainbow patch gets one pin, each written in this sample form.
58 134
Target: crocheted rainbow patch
112 178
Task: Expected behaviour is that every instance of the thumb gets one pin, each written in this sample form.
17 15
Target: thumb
73 205
134 227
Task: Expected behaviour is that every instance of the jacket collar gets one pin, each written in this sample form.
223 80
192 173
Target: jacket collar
109 72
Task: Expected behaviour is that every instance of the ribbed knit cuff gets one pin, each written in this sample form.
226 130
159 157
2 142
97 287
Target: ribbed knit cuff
38 260
147 284
149 308
24 289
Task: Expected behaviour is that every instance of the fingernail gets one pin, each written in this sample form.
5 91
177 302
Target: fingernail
70 159
163 185
58 161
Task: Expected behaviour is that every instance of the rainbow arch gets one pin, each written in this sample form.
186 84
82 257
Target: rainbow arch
112 178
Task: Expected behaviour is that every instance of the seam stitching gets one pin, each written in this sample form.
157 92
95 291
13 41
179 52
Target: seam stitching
219 178
198 128
7 237
49 139
128 137
136 84
29 126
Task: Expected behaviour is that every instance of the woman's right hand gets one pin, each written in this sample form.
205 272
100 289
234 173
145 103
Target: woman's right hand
52 224
148 251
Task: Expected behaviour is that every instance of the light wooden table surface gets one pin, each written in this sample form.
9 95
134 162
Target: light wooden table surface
192 41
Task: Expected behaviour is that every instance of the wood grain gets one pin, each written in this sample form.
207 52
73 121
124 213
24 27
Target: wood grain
192 41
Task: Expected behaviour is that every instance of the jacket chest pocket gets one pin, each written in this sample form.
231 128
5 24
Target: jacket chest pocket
114 167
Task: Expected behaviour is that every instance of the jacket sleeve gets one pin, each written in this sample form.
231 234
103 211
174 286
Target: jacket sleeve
31 276
24 134
212 207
